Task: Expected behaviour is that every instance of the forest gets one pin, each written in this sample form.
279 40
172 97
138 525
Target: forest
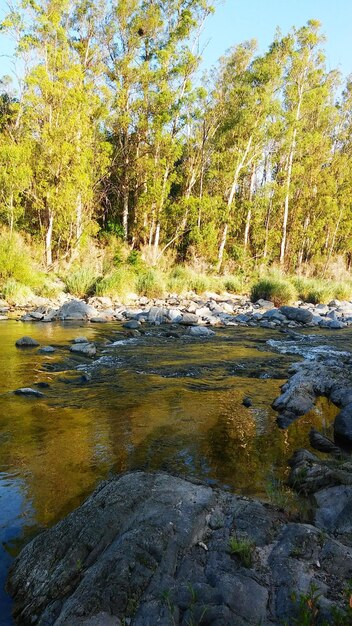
112 139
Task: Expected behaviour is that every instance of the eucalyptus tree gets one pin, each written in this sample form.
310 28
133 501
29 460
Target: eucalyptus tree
304 75
246 97
60 113
151 58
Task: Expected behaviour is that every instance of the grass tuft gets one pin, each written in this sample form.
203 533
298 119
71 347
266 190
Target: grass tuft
243 549
276 289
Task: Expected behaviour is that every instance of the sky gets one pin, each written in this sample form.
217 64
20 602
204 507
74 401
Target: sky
235 21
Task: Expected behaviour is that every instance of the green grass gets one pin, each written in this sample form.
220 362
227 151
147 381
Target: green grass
243 549
16 293
81 282
119 282
233 284
276 289
17 263
151 283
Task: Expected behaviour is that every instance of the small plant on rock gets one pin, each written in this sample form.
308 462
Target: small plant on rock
243 549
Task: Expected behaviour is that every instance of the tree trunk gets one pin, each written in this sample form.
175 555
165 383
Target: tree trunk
48 240
249 212
230 199
222 245
289 176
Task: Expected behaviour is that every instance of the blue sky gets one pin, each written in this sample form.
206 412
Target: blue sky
237 20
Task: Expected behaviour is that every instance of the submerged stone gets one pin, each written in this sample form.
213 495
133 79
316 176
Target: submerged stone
28 391
27 342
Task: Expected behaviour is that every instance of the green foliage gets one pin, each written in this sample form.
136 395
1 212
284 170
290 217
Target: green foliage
151 283
17 263
233 284
120 282
81 282
313 290
243 549
279 290
16 293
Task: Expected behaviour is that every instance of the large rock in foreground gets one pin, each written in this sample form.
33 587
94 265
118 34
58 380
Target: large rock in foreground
148 549
76 310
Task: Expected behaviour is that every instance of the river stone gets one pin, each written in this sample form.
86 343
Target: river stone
76 310
296 314
99 320
132 324
265 304
87 349
80 340
157 315
28 391
334 512
336 324
46 350
343 424
189 319
27 342
201 331
174 315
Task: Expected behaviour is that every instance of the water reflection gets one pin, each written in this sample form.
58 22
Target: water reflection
157 403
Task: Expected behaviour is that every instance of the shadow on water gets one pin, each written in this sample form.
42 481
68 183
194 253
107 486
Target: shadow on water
156 402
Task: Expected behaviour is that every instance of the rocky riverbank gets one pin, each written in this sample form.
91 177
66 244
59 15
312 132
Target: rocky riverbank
210 309
151 548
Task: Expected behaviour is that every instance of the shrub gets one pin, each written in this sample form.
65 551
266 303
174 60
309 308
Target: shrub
179 280
342 291
313 290
276 289
120 282
16 262
81 282
151 283
243 549
16 293
232 284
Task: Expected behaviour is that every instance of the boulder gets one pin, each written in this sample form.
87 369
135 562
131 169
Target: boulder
343 424
150 548
132 324
296 314
157 315
86 349
189 319
76 310
201 331
27 342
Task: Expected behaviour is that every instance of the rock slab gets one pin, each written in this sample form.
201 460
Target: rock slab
150 548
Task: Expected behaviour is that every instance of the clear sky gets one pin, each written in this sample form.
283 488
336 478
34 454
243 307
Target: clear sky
237 20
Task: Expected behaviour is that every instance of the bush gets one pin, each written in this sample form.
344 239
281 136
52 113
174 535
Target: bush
151 283
342 291
81 282
312 290
16 262
16 293
120 282
233 284
276 289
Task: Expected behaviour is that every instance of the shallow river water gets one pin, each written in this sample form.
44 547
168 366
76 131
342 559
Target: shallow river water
154 402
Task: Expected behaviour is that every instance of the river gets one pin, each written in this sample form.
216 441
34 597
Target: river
152 402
